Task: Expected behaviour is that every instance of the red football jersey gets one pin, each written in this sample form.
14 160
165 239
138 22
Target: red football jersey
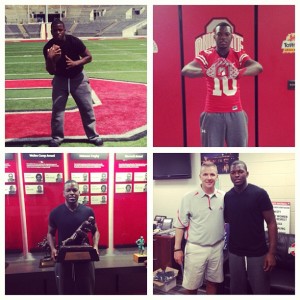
223 93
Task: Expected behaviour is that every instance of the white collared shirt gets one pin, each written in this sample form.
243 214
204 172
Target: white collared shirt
202 217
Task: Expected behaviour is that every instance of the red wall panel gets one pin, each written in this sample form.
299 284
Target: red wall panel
130 209
13 233
38 206
276 102
88 164
167 103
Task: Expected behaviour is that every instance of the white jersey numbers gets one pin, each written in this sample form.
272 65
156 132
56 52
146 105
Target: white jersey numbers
223 88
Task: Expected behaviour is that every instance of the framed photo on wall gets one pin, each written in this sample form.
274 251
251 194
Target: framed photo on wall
221 160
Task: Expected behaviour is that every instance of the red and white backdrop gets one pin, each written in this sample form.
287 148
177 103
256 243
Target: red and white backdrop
91 171
13 233
130 198
263 33
37 188
35 181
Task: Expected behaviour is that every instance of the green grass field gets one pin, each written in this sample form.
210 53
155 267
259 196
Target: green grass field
142 142
35 99
112 59
124 60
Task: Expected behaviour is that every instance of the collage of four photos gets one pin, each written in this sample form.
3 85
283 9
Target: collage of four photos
174 168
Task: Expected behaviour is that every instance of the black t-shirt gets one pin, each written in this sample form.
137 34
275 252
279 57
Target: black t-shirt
74 48
66 222
243 212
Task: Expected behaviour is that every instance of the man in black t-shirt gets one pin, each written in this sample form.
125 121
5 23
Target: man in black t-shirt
65 56
246 208
71 278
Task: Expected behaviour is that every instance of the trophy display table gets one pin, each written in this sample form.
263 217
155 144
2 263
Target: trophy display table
116 274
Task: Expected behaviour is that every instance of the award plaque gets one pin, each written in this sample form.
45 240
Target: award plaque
46 262
76 247
77 253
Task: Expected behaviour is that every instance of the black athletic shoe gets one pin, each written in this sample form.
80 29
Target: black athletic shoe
97 142
54 143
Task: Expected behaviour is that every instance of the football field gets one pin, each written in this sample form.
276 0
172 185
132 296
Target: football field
117 60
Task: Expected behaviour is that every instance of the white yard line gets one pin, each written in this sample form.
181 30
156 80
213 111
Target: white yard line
89 72
97 61
30 98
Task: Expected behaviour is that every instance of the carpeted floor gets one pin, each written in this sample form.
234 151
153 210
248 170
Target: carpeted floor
177 290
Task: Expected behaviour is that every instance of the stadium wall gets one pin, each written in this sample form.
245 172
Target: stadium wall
132 30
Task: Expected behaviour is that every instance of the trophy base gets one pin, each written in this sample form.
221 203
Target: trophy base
77 253
139 258
46 263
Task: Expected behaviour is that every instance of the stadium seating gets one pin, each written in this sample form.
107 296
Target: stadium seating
33 30
13 31
117 28
92 28
82 21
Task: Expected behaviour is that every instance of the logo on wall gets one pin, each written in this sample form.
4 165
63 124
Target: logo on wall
206 40
288 46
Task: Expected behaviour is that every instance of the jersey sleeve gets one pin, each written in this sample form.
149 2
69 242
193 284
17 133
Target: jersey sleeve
201 58
243 57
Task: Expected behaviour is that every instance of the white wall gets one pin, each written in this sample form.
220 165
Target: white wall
275 172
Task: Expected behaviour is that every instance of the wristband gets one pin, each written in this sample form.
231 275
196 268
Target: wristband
176 250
